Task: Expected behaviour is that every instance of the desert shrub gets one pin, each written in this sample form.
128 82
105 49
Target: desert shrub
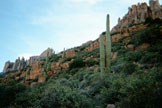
62 97
151 21
54 58
148 20
68 59
122 51
36 78
91 62
151 58
74 71
117 64
94 53
116 46
8 93
18 74
134 56
148 35
81 48
77 63
129 68
141 91
121 39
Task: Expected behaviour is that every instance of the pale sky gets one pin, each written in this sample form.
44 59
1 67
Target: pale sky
28 27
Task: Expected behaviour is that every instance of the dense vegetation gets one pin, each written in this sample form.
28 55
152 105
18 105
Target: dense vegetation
135 80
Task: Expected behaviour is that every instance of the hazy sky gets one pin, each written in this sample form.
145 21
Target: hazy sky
28 27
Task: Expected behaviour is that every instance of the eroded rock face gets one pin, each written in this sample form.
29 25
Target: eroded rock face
70 53
17 65
36 71
127 32
138 13
92 46
8 66
33 59
47 52
22 63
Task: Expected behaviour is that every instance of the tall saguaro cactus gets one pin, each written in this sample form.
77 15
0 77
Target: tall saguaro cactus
108 45
102 54
105 51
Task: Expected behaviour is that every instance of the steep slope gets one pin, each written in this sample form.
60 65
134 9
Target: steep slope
71 79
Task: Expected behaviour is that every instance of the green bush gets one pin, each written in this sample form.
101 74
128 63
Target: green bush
134 56
68 59
18 74
142 91
81 48
129 68
77 63
147 35
73 71
116 46
91 62
36 79
94 53
54 58
8 93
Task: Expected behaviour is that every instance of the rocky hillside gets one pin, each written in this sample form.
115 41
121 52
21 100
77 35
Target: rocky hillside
71 79
131 23
138 13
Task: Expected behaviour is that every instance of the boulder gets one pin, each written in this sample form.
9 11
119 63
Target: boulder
142 46
131 47
110 106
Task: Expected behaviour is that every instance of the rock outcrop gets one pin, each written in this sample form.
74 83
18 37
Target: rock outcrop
110 106
8 66
70 53
47 52
138 13
21 64
17 65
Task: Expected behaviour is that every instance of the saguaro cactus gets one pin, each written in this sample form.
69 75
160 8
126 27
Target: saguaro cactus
108 45
63 55
105 51
102 54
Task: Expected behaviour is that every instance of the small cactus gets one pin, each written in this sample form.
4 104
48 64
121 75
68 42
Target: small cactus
63 55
